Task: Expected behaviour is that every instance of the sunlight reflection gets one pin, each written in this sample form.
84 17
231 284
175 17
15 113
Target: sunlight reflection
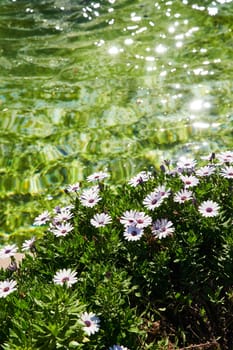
100 42
163 73
201 125
205 125
161 48
197 7
140 30
135 18
179 37
212 11
200 71
128 41
95 5
224 1
171 29
149 58
150 68
132 27
179 44
197 105
28 9
114 50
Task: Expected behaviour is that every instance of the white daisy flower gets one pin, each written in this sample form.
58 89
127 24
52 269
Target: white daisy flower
209 208
100 220
68 207
118 347
162 191
152 201
73 188
7 287
189 180
63 216
59 210
142 220
133 233
225 157
97 176
205 171
183 196
65 276
90 197
90 323
186 163
42 219
8 251
62 229
227 172
135 218
128 218
162 228
141 177
173 172
28 244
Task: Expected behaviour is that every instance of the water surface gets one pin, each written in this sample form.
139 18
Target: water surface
106 85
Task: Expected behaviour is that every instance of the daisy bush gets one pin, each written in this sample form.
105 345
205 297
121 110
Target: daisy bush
147 264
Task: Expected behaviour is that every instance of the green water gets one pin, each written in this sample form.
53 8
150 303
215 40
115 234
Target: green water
106 85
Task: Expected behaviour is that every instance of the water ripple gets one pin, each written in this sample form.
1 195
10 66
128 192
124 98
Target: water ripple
117 85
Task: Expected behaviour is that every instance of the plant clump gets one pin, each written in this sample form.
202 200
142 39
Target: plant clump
143 265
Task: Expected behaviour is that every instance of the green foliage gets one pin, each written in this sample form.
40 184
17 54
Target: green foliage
160 291
45 318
